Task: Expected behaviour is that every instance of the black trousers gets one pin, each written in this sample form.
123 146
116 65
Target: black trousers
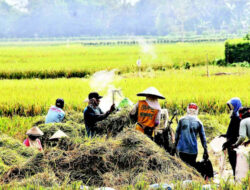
189 159
232 158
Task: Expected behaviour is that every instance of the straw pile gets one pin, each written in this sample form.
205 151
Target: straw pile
12 152
125 159
114 124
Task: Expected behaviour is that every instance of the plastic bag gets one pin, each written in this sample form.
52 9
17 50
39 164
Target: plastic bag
216 143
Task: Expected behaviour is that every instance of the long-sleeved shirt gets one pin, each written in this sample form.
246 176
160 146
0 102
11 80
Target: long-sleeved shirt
244 131
92 116
55 115
233 130
186 135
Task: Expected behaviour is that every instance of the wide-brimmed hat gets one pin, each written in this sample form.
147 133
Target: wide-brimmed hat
35 131
57 135
151 91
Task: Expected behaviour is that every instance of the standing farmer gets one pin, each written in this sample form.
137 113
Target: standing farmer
147 112
92 113
232 134
186 136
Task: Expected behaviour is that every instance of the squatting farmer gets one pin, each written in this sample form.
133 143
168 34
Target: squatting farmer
147 112
56 113
33 138
92 113
186 136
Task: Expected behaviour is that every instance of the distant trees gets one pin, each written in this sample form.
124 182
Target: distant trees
62 18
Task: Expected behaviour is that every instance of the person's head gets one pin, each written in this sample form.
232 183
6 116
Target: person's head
192 109
60 103
94 98
33 137
244 112
234 105
34 133
151 97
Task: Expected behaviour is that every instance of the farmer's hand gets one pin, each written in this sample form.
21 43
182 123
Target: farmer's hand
233 146
225 145
112 108
205 155
246 143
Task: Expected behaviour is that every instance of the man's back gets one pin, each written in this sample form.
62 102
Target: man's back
186 133
55 115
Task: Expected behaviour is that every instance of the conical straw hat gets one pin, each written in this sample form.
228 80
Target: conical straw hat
151 91
57 135
34 131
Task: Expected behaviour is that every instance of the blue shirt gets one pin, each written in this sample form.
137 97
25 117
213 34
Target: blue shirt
55 115
186 135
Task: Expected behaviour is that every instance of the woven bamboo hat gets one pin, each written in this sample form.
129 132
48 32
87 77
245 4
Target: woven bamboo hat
57 135
151 91
35 131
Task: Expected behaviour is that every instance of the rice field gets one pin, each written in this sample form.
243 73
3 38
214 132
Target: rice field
77 60
22 102
34 97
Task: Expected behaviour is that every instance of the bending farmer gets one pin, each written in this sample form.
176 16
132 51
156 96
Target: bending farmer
147 112
244 131
186 136
92 113
56 113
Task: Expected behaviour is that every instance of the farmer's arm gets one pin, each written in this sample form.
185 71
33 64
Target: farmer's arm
158 119
177 134
242 132
92 116
203 136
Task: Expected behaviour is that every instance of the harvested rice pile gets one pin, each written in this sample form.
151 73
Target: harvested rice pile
126 159
12 152
123 159
73 126
114 124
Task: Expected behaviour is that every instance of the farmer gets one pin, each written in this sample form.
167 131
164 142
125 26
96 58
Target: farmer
33 138
232 134
244 131
147 112
92 113
56 113
186 136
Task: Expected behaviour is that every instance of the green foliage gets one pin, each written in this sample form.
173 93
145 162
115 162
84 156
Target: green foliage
237 50
247 37
212 126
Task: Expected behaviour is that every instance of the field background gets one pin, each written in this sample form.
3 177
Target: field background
34 75
163 66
